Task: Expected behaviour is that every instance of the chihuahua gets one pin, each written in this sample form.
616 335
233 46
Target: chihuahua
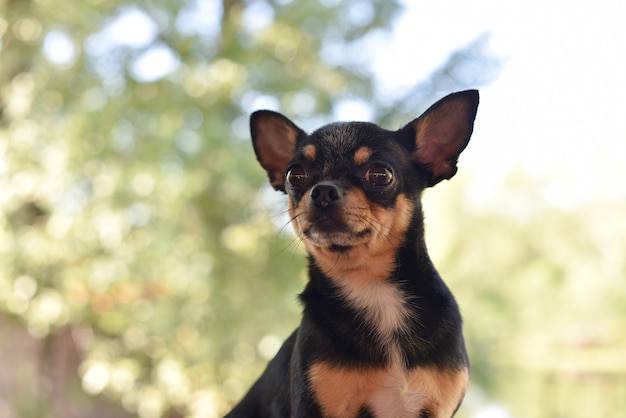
381 334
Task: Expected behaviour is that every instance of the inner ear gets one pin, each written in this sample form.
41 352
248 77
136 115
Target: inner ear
442 132
274 138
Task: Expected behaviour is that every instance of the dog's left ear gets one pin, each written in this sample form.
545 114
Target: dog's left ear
274 138
442 132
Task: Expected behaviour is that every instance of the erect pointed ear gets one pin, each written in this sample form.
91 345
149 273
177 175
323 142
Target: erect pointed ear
274 138
442 132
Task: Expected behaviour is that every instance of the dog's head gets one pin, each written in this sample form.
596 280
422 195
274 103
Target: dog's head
354 187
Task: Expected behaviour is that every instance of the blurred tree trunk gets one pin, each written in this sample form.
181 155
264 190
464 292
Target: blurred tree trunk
39 377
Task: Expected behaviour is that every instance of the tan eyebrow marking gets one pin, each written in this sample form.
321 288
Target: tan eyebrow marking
362 155
309 152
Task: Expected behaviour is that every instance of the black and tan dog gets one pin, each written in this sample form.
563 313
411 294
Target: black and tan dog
381 334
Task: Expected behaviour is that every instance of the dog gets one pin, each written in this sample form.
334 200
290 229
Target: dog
381 334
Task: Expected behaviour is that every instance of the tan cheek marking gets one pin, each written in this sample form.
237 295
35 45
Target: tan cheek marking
341 392
309 152
375 257
365 261
397 219
445 389
362 155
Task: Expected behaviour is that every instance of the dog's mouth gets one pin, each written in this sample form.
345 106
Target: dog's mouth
338 228
340 248
336 239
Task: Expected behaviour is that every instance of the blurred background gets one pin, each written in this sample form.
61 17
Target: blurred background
146 269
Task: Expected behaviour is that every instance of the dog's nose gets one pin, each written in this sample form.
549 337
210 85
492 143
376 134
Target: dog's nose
326 194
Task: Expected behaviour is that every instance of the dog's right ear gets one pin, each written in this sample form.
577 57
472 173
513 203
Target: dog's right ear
442 132
274 138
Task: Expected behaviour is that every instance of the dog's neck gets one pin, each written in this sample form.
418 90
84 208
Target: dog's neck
380 301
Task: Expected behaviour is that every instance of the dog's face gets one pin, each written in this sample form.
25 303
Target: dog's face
354 187
348 196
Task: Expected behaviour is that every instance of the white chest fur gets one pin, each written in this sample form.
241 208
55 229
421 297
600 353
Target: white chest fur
381 303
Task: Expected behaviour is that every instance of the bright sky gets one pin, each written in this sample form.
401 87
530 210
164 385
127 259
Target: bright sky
558 106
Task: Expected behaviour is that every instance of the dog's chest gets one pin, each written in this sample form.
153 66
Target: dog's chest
391 391
381 304
384 392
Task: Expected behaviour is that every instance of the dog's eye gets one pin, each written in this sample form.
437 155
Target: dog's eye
379 175
296 176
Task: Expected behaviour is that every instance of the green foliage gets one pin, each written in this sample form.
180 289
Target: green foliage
540 284
130 203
